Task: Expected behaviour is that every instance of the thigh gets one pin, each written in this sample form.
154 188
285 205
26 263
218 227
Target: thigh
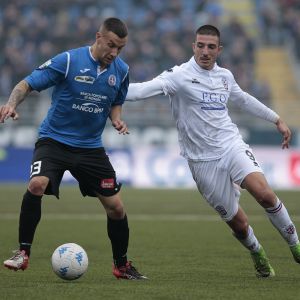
95 174
257 185
49 160
242 162
215 185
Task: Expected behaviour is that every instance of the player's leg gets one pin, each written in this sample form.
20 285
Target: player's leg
215 184
96 177
118 232
245 235
30 213
117 227
30 216
258 187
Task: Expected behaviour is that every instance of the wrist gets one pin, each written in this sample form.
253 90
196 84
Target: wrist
278 120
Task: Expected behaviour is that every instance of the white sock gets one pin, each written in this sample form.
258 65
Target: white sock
281 220
250 242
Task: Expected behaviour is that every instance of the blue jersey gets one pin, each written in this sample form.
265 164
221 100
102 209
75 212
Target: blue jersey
82 96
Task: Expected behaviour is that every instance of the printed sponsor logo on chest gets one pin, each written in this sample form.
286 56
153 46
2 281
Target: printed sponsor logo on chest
88 107
85 79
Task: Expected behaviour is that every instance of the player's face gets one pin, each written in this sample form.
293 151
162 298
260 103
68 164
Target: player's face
206 50
108 46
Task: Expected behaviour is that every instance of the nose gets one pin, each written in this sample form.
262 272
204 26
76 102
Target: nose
205 50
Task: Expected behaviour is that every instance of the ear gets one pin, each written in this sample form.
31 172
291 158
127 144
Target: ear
194 47
98 35
220 49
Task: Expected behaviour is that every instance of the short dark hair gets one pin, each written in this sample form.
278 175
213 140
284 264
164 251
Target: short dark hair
209 30
116 26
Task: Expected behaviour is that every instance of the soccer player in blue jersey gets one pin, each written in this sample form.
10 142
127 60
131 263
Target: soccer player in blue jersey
90 86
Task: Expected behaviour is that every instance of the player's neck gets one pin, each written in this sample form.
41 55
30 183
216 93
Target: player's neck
92 53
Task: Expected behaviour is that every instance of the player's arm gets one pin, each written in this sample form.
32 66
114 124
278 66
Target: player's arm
285 131
255 107
252 105
116 121
144 90
18 94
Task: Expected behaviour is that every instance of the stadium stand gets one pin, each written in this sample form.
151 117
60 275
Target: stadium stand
161 33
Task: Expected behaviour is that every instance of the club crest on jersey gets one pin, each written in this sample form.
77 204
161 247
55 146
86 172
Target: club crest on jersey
45 64
107 183
112 80
85 79
225 83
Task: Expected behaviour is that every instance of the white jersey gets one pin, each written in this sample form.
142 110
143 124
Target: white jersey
199 100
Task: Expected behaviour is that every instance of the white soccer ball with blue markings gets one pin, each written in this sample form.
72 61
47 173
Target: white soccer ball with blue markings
69 261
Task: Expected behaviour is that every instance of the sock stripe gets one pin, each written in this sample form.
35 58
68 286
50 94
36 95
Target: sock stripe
274 210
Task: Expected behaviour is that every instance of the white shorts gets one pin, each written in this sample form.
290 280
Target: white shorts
218 181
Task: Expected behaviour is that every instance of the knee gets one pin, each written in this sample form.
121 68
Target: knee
116 212
37 186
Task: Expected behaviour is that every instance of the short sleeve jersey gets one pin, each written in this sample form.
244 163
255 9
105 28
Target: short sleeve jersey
82 96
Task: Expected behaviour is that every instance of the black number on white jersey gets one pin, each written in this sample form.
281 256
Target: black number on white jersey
251 156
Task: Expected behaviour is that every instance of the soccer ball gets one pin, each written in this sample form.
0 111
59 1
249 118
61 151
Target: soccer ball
69 261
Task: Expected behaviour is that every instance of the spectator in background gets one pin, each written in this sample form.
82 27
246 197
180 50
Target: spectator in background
65 23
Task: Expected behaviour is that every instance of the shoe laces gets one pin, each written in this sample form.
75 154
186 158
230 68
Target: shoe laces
263 264
18 254
132 269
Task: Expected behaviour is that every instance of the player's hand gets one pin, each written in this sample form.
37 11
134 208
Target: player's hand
286 133
7 111
120 126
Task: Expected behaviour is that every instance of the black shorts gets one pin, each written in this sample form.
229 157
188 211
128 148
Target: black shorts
89 166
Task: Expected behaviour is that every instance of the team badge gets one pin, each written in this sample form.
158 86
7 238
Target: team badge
112 80
225 83
290 229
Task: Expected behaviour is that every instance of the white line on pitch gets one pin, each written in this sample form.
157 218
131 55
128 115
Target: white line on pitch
137 217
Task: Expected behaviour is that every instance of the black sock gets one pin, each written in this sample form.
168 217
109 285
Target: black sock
118 233
30 216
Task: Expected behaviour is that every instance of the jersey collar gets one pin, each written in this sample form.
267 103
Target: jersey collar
199 69
94 60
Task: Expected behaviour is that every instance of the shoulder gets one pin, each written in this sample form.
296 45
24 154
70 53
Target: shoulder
179 68
77 52
171 73
121 65
224 72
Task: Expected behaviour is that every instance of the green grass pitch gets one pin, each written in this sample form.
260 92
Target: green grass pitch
176 239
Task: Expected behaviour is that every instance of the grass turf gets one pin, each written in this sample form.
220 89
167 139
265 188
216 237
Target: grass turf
176 239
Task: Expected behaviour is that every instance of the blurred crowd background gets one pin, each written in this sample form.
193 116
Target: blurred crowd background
161 34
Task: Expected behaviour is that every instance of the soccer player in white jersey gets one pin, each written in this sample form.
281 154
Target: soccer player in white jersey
218 158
